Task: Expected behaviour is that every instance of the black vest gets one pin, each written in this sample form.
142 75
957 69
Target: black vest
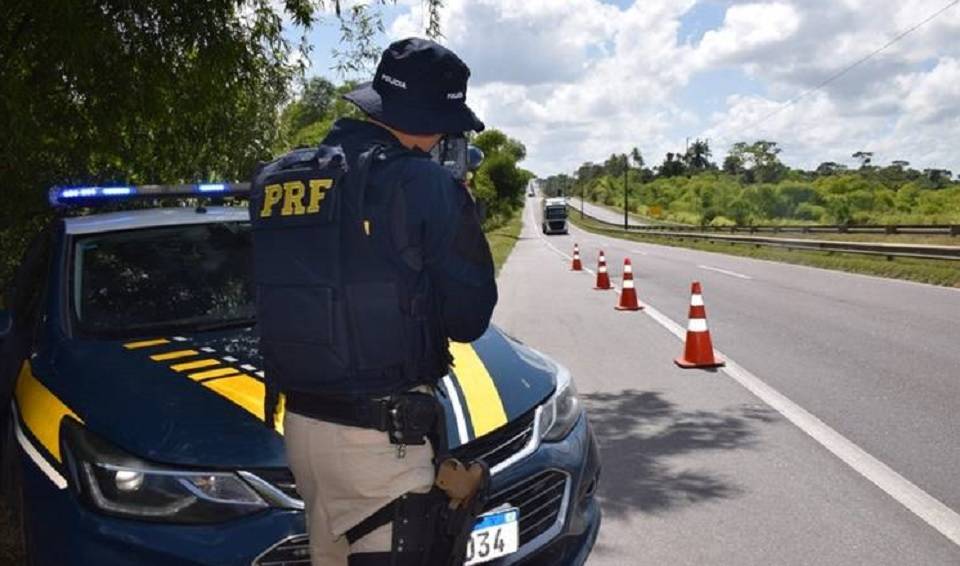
343 304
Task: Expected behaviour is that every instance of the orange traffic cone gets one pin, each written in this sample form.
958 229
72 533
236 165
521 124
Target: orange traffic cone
577 266
628 297
603 280
698 350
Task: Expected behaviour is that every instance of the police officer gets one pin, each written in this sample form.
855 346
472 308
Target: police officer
369 258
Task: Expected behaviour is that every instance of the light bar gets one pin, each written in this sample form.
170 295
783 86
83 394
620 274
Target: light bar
91 196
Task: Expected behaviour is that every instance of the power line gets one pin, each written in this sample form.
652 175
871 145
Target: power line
854 65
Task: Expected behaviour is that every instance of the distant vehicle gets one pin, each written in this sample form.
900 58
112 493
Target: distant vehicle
554 217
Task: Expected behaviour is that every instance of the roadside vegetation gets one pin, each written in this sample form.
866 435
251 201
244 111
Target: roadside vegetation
751 186
946 273
503 239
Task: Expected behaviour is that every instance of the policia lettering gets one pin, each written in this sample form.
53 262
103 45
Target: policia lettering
292 195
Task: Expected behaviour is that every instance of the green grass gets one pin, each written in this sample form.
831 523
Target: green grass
943 272
503 238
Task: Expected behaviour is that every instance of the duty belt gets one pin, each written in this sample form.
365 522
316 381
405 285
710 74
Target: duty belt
373 413
409 418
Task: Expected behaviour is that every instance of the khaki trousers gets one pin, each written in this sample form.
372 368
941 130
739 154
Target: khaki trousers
344 475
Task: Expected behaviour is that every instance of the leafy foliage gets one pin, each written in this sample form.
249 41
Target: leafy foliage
755 187
160 91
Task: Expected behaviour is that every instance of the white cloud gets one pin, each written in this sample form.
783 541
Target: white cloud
579 79
747 29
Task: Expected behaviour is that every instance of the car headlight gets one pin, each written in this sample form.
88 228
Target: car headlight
117 483
561 412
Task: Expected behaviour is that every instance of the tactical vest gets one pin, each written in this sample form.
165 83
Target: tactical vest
344 306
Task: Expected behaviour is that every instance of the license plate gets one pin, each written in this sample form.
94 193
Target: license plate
495 534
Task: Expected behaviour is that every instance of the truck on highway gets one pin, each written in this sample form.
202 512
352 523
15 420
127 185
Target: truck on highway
554 216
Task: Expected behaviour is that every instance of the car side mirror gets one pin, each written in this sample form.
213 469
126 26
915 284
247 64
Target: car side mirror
6 323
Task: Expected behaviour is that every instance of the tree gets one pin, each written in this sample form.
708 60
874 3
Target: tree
938 178
900 164
865 158
698 155
494 141
637 157
733 164
319 94
671 167
615 165
830 168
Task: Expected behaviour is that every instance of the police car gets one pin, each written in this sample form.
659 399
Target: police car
136 431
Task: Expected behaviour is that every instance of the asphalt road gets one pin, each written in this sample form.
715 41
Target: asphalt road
697 469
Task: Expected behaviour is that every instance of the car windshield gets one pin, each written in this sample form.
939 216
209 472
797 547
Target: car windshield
189 277
556 213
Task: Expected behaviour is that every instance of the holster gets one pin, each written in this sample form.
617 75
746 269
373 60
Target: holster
467 488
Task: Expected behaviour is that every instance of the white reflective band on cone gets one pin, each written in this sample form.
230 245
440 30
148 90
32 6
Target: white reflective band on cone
696 300
697 325
627 269
603 269
628 283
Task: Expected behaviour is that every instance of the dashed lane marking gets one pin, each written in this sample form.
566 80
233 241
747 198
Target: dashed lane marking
726 272
946 521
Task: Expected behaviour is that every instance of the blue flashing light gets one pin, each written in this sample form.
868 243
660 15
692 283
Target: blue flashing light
116 191
86 196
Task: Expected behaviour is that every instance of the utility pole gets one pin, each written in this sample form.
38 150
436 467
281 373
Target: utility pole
626 170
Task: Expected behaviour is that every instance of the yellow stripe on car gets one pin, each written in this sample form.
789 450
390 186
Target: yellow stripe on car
145 343
219 372
41 410
187 366
248 393
483 399
174 355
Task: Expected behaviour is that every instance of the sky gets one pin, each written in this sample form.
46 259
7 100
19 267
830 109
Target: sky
577 80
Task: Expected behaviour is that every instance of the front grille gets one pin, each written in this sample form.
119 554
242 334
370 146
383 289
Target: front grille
539 499
496 447
294 551
556 225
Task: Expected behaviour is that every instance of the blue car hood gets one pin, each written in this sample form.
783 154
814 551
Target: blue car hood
197 400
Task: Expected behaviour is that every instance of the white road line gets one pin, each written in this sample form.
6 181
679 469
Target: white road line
725 272
638 252
945 520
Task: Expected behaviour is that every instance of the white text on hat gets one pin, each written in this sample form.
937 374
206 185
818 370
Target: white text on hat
393 81
455 95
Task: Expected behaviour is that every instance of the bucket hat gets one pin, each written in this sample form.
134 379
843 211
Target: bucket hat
420 87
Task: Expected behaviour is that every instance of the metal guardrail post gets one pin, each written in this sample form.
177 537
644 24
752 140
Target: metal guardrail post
955 230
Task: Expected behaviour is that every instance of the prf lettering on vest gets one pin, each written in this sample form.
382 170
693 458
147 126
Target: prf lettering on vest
292 195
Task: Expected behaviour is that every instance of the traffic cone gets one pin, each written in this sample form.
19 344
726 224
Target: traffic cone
698 349
577 266
603 280
628 296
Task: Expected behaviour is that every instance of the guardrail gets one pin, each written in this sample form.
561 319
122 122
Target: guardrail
890 251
